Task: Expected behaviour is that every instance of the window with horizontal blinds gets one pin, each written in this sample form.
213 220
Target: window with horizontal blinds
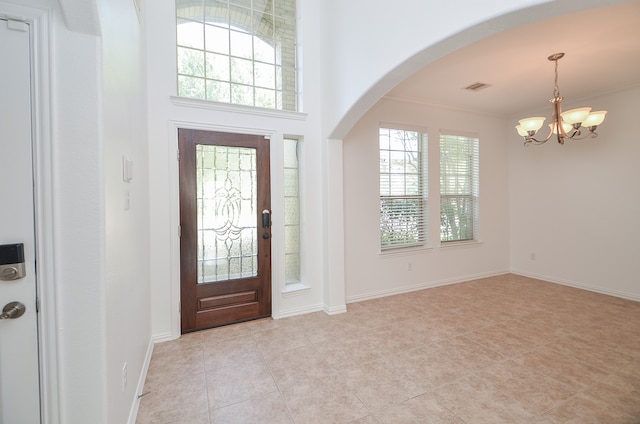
459 187
403 188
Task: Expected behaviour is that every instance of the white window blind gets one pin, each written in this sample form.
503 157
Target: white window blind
403 188
459 187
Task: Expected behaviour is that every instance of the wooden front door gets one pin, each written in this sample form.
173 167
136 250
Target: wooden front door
225 221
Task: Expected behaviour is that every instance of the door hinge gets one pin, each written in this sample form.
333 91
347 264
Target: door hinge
178 155
179 231
179 307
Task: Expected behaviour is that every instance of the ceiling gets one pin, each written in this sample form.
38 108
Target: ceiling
602 54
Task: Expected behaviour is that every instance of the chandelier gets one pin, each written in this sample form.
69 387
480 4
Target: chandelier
567 124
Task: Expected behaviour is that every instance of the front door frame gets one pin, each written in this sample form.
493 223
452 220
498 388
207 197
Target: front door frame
39 21
235 299
174 186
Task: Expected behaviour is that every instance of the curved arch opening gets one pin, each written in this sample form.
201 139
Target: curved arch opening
462 39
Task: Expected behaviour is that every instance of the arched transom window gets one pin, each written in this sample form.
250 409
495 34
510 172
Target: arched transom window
238 51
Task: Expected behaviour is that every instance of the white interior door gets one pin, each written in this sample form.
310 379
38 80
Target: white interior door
19 376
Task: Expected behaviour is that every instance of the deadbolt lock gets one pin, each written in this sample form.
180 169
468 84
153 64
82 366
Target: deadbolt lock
12 262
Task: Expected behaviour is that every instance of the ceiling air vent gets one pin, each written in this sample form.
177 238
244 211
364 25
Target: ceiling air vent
477 86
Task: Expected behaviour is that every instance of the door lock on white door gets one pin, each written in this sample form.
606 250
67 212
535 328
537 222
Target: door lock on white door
12 262
13 310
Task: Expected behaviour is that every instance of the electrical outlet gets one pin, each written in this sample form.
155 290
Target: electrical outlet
409 266
124 376
532 256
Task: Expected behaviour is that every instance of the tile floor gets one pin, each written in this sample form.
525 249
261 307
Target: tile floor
506 349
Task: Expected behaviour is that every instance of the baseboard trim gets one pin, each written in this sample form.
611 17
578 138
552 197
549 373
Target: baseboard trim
300 311
133 414
569 283
163 337
422 286
334 310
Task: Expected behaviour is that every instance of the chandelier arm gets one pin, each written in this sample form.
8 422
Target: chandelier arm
530 139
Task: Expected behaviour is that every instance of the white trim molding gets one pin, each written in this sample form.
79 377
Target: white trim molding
228 107
422 286
48 291
577 285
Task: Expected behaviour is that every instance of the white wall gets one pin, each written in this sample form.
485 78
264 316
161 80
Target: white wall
79 225
575 207
126 287
371 274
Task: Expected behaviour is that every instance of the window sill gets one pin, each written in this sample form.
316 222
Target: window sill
295 289
406 251
228 107
460 244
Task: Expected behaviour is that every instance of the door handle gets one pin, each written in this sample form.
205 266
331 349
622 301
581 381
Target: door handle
13 310
266 218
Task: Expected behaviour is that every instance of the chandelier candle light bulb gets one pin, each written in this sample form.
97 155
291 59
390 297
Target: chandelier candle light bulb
565 124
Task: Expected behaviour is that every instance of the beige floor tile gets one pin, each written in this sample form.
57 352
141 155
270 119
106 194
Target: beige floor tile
278 340
379 384
426 329
468 353
462 323
325 401
424 409
226 332
369 419
591 352
563 368
502 341
619 390
477 401
235 352
501 349
536 392
269 408
201 418
392 339
229 385
185 341
325 331
428 369
184 397
298 365
585 410
168 365
348 351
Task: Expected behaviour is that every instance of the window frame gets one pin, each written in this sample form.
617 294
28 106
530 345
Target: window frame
472 196
422 191
198 79
291 282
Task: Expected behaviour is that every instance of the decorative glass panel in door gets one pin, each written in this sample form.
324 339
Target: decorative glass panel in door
227 228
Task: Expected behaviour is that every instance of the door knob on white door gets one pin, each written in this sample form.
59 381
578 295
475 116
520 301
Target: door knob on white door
13 310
